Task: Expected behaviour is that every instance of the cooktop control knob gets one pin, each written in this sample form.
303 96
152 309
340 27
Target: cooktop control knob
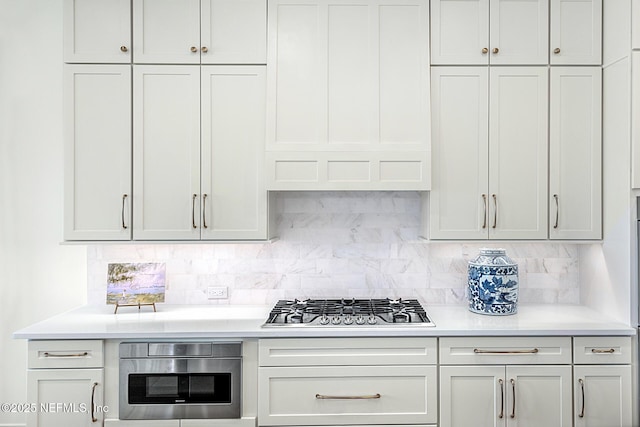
324 320
348 320
336 320
360 320
372 320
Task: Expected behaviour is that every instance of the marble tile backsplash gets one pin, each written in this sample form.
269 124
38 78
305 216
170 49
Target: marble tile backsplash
337 244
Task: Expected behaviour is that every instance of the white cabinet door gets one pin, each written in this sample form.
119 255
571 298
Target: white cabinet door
472 396
575 158
635 119
64 397
576 32
460 180
97 31
635 24
166 31
519 32
234 199
459 32
166 152
97 131
602 396
531 388
234 31
518 152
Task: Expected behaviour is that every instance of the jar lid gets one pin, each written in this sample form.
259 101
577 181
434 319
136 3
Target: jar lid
492 251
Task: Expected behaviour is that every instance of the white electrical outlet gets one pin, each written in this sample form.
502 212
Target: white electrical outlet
217 293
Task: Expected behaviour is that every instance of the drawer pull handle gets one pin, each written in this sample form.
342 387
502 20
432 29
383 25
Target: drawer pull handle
367 396
93 406
84 354
501 398
529 351
513 390
601 351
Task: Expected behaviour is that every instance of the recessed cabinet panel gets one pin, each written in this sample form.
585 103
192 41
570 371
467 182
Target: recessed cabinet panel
166 31
166 103
97 105
576 32
233 194
97 31
458 207
518 153
575 161
602 396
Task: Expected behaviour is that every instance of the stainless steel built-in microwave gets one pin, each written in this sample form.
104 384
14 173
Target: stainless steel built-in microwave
180 380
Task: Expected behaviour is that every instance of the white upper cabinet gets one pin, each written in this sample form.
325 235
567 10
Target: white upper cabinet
199 31
635 24
234 199
166 152
576 32
575 158
97 133
348 94
97 31
478 32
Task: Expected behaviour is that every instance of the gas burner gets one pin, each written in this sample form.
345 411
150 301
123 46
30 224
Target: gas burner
348 312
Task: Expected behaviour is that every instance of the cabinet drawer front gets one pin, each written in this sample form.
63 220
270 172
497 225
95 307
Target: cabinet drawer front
347 395
507 350
601 350
65 354
348 351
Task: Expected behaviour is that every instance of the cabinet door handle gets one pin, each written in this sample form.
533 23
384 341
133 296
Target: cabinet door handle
484 207
526 351
363 397
501 382
124 49
602 351
83 354
485 50
193 210
581 414
204 211
556 50
124 200
555 197
513 390
495 50
495 211
193 49
93 406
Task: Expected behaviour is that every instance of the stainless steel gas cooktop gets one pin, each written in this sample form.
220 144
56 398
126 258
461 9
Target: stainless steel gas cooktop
348 312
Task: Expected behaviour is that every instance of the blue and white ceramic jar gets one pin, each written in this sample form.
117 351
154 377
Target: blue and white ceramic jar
493 283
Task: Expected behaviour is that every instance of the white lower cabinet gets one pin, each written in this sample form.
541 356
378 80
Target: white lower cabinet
340 384
65 384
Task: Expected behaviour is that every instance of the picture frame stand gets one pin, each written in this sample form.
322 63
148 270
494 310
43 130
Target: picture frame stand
118 305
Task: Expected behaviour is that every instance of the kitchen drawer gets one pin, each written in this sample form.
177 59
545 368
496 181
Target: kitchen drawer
65 354
601 350
338 395
347 351
505 350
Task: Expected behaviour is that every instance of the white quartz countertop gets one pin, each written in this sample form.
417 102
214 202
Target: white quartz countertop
240 321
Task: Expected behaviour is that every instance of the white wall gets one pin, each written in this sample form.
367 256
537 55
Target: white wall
38 277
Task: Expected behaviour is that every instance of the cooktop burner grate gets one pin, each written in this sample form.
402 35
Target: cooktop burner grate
348 312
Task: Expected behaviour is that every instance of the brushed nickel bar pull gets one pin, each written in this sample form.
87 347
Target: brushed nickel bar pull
601 351
501 382
193 210
581 414
527 351
124 200
484 217
84 354
513 389
495 211
555 197
93 406
204 211
364 397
